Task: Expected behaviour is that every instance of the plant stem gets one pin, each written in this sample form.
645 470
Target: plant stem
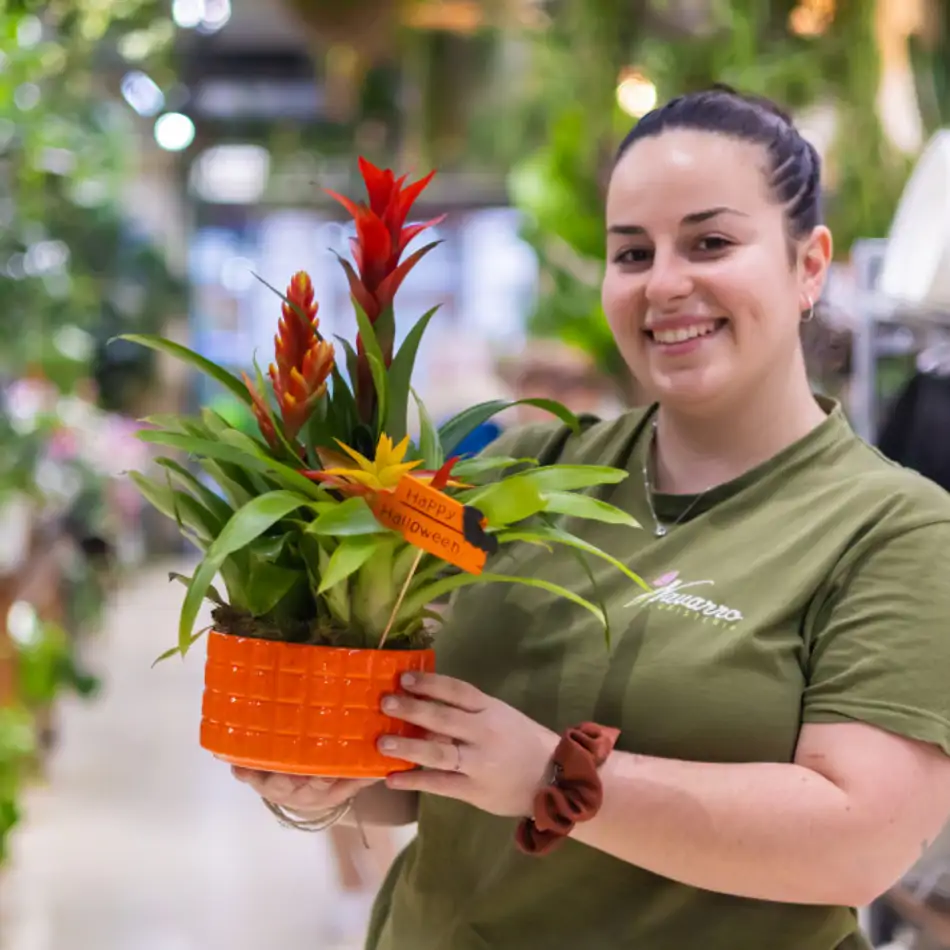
401 598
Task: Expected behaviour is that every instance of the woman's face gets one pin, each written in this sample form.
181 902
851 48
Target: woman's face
700 290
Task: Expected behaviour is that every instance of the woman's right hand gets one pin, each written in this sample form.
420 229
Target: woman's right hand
305 796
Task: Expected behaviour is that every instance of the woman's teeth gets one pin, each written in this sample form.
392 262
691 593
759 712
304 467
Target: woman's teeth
682 334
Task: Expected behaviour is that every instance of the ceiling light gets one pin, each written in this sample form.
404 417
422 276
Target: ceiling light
141 92
636 95
232 174
188 13
174 132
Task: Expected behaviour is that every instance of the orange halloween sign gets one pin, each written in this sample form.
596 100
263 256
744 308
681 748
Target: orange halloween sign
439 525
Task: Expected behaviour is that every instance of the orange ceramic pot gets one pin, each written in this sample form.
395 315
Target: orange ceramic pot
305 710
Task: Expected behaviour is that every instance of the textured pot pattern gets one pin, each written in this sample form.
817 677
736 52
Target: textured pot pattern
305 710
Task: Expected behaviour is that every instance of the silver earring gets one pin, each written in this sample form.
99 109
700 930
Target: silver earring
809 314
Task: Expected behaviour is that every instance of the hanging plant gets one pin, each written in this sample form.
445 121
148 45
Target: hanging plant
366 25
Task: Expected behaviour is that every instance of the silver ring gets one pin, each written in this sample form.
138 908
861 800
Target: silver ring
458 754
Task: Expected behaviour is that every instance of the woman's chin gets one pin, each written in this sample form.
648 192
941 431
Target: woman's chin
696 391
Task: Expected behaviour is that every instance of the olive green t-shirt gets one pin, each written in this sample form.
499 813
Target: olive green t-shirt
814 588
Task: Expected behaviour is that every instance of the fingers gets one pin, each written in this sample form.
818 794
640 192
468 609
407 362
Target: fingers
447 784
445 689
431 716
301 792
432 754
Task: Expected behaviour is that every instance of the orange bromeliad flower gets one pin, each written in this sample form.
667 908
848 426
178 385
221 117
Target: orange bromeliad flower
303 363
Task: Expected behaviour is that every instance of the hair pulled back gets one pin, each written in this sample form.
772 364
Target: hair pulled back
794 169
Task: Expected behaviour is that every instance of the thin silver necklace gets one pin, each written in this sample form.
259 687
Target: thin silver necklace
661 529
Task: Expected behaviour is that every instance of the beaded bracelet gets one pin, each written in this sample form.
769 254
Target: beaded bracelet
575 792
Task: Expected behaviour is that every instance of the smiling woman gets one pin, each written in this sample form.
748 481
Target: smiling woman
778 697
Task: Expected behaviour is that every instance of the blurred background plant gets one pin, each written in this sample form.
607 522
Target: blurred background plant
75 270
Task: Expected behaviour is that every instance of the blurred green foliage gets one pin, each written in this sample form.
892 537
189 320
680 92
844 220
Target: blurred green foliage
68 258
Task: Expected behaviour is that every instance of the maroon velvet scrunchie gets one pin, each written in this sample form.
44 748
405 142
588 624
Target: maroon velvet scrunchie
576 792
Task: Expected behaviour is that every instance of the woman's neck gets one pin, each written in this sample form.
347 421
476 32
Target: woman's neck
694 454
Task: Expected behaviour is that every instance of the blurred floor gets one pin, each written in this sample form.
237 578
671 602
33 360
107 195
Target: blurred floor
139 840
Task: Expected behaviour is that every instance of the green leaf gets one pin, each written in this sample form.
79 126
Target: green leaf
257 461
583 506
352 360
173 422
430 447
337 599
160 497
468 469
560 478
343 414
267 586
190 512
351 554
373 353
237 492
213 595
453 431
506 502
348 518
269 549
178 651
420 599
400 379
245 526
378 370
214 503
374 591
384 326
551 535
222 376
177 507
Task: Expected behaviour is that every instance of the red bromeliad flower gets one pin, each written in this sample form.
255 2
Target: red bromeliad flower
303 363
381 238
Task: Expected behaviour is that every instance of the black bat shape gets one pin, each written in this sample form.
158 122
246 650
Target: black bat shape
474 533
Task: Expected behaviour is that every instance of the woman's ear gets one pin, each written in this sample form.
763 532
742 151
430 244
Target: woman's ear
813 262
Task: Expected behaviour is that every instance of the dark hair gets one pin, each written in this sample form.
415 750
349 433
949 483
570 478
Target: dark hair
794 165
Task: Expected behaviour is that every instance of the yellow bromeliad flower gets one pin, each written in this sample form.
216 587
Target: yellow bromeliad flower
355 474
382 474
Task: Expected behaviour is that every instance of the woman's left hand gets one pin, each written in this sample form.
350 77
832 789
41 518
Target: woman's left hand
478 750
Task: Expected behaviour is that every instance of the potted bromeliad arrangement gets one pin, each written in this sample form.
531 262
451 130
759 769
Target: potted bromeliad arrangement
335 530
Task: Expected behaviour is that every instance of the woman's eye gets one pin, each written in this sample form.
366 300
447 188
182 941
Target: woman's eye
710 245
634 255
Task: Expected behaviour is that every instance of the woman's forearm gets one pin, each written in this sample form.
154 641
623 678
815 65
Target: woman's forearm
384 807
761 830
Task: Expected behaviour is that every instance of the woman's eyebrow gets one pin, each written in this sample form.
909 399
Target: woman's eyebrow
695 217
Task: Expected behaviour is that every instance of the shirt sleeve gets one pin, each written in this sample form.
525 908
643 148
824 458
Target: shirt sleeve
880 652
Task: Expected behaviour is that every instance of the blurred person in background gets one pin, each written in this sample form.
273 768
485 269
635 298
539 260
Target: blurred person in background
550 369
546 369
778 696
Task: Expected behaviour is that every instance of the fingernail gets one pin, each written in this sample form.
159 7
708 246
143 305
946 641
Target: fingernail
390 704
387 745
409 679
320 784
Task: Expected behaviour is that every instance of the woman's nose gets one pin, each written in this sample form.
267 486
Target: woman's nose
667 281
